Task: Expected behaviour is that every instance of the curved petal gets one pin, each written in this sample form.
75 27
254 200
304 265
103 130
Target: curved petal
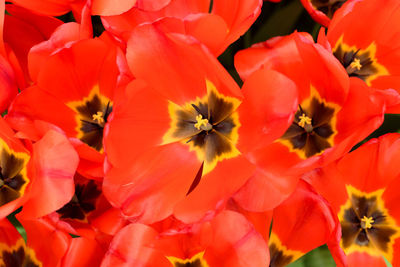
132 245
268 109
237 240
49 243
364 259
110 8
83 252
142 111
301 223
212 192
264 191
45 7
55 165
72 73
34 29
153 184
238 15
181 63
152 5
39 53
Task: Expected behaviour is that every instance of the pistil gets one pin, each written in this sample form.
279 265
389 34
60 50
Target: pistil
202 124
99 117
305 122
354 66
366 222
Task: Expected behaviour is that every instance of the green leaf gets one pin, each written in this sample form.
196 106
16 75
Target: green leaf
315 258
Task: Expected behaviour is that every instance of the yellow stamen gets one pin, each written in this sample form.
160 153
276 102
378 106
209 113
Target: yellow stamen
98 117
202 124
366 222
356 64
304 120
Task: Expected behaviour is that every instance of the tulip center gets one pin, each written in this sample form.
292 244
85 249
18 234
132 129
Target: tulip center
83 201
91 116
305 122
328 7
18 255
13 173
366 224
361 63
99 118
355 65
209 125
202 124
313 127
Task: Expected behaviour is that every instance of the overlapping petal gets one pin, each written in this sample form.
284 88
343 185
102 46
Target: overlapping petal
360 188
228 240
360 32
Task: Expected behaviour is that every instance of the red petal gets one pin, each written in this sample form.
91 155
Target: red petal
264 191
132 247
236 243
214 190
268 109
304 221
83 252
55 165
181 63
154 183
110 8
49 243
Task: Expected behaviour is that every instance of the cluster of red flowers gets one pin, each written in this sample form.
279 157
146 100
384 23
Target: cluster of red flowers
137 148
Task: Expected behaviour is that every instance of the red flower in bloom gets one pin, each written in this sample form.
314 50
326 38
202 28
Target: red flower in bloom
40 179
216 23
363 43
76 88
88 213
363 190
228 240
334 113
45 246
23 30
301 223
177 138
322 10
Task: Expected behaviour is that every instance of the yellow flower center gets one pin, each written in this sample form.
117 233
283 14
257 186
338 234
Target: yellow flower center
356 64
98 117
366 222
304 120
202 124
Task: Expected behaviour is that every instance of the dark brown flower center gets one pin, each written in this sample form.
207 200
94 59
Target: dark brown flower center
280 256
82 203
328 7
92 115
13 174
209 125
313 128
366 223
360 63
18 256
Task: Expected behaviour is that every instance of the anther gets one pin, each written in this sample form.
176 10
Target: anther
366 222
354 66
98 117
304 120
202 124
